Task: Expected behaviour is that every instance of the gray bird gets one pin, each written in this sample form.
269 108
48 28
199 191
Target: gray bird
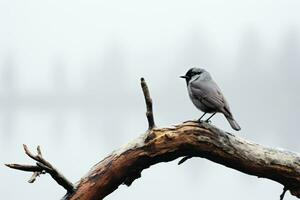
207 96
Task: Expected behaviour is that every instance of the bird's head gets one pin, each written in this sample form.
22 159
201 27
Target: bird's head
193 73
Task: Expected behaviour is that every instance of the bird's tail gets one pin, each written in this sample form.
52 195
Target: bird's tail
233 123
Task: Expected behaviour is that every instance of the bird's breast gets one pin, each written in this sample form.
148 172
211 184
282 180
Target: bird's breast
198 101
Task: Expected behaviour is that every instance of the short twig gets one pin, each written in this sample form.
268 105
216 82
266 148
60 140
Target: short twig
185 158
34 176
42 166
148 101
26 168
283 193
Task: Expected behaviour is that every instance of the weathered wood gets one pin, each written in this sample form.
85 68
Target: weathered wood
42 166
149 106
188 139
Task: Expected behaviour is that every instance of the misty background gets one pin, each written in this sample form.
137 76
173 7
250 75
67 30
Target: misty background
69 81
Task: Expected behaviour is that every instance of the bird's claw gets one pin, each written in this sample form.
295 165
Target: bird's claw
201 121
207 121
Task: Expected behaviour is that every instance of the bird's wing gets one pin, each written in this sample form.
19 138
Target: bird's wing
210 94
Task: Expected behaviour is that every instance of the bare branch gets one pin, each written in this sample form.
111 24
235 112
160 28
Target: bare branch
185 158
148 101
45 167
38 149
42 166
28 153
188 140
283 193
34 176
27 168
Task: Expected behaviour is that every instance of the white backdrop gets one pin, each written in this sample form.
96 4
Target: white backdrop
69 81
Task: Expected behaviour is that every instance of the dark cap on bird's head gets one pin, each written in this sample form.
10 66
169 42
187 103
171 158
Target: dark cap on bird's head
191 72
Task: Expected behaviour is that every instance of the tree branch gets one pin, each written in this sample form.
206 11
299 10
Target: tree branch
42 166
187 140
185 158
148 101
26 168
283 193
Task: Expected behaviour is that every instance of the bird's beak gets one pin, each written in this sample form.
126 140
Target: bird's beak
183 77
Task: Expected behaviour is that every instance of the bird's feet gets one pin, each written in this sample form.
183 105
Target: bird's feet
201 121
207 121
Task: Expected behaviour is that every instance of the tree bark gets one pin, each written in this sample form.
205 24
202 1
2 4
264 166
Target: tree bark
193 140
